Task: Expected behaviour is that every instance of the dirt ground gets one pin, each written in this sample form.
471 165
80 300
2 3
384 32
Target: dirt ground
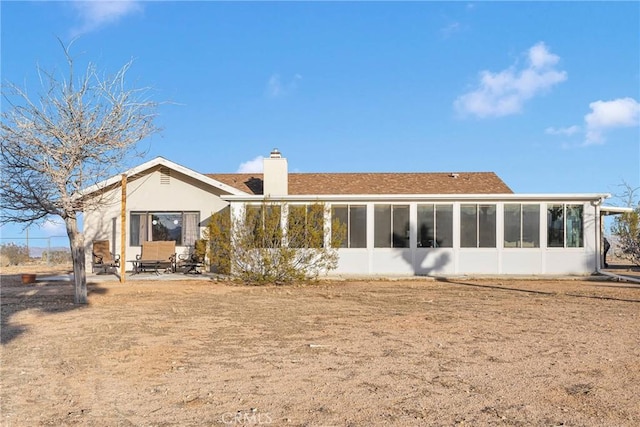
349 353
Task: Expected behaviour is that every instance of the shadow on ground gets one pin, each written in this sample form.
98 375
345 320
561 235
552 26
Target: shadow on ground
45 296
602 283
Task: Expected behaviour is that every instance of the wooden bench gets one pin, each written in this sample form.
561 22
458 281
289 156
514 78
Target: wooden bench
156 256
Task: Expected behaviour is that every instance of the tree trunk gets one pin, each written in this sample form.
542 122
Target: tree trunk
76 241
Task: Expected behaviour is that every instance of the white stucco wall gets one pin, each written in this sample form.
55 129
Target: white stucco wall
435 262
475 261
148 193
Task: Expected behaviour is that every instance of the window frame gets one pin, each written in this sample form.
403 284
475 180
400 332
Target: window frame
311 212
564 232
522 214
479 232
389 237
147 227
350 222
261 235
437 210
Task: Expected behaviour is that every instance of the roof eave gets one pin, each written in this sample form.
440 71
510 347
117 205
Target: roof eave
161 161
615 210
584 197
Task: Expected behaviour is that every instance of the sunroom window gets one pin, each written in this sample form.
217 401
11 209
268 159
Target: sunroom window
521 225
266 225
391 228
435 226
305 226
477 226
354 218
565 226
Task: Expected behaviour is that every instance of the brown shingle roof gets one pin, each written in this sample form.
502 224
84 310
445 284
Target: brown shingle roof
375 183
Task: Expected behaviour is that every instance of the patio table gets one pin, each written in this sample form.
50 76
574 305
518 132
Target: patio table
145 265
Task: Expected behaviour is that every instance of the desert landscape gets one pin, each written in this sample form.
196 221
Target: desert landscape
408 352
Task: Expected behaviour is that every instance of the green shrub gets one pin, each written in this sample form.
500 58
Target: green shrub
218 235
257 249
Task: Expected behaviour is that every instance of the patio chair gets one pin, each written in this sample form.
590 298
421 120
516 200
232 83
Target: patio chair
103 259
190 263
193 261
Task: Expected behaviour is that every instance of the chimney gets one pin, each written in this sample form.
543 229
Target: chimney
276 178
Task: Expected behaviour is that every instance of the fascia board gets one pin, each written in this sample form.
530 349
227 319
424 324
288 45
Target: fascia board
614 210
203 178
116 179
583 197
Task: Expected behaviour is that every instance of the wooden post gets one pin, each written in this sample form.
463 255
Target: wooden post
123 229
600 241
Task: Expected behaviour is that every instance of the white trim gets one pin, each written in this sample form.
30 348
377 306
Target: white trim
167 163
585 197
614 210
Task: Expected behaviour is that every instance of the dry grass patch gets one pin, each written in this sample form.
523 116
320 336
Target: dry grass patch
351 353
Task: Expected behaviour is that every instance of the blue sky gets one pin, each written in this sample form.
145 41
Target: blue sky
545 94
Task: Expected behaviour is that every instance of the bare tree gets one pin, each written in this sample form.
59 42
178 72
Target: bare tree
74 134
627 226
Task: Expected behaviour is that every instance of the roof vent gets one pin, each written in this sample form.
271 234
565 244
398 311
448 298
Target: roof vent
454 175
165 175
275 154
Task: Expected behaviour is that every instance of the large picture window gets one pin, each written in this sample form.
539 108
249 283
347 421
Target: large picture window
565 226
477 226
521 225
435 226
180 227
354 217
391 226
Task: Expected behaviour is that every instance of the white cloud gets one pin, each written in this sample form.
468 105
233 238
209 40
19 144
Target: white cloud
451 29
251 166
96 14
505 92
540 57
54 227
568 131
276 88
606 115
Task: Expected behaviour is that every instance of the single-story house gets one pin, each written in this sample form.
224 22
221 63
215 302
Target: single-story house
439 224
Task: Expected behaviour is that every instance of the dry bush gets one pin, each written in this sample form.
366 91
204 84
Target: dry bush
274 243
14 254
